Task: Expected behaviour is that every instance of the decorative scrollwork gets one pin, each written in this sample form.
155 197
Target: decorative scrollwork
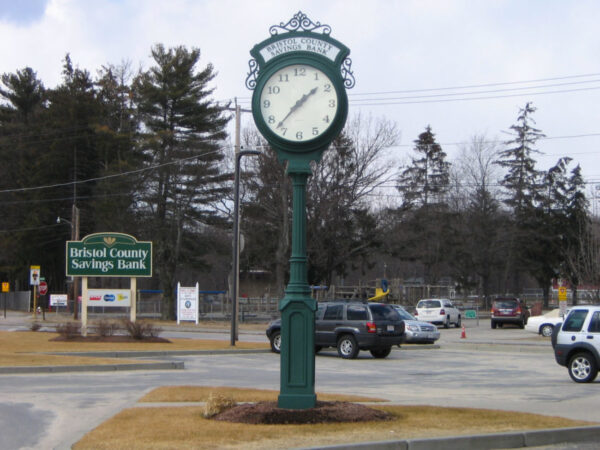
252 75
347 74
300 22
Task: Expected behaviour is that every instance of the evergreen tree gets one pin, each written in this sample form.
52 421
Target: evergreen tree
522 183
183 145
426 179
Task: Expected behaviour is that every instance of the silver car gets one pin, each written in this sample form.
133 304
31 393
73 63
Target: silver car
415 331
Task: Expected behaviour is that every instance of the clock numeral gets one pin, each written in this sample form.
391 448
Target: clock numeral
266 104
327 88
271 119
300 72
283 131
332 103
316 76
274 90
299 135
284 77
315 131
326 119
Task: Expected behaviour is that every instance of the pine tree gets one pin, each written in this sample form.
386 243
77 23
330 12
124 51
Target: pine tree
183 144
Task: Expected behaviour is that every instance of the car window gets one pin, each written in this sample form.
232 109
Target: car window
429 304
333 312
575 320
320 309
595 323
404 314
357 312
383 312
508 304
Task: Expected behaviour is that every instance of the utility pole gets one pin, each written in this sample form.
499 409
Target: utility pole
235 268
75 237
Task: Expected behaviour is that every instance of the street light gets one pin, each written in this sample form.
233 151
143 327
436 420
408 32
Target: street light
74 223
236 242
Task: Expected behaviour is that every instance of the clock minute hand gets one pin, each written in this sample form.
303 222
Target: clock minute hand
297 105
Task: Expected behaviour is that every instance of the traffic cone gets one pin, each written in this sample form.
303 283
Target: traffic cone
463 333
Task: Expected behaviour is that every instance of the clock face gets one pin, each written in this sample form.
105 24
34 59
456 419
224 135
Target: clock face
298 103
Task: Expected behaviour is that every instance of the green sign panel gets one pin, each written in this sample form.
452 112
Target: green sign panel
109 255
470 314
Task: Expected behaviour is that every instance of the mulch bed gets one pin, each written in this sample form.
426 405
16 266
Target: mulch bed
325 412
118 338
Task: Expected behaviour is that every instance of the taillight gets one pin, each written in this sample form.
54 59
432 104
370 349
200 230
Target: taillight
494 310
371 327
416 313
442 312
518 311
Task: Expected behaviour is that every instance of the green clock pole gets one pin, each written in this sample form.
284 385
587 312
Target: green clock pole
298 312
299 76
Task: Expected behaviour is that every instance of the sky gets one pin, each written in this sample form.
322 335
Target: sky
464 67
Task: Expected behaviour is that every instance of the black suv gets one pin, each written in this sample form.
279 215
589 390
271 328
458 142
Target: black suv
351 327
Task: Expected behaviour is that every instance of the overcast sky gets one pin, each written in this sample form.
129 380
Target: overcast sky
504 52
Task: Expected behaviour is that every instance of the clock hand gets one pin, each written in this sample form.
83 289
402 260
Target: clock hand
297 105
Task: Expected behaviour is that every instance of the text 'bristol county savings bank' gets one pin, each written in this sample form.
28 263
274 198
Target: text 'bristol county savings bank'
112 255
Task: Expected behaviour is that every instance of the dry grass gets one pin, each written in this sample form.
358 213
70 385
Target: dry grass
185 427
25 348
202 393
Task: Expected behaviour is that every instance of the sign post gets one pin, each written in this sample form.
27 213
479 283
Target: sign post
34 280
299 76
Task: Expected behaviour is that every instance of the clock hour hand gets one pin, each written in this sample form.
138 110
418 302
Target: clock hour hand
297 105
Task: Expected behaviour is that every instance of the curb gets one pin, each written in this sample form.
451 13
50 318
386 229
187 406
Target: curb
160 353
174 365
532 438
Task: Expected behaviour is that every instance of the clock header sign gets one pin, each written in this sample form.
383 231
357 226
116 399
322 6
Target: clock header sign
299 76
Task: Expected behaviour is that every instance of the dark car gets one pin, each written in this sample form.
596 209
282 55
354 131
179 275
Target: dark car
509 310
351 327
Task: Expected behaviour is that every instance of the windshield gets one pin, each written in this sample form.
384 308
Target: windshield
383 312
404 314
429 304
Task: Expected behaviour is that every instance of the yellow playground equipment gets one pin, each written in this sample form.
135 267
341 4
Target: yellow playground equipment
381 292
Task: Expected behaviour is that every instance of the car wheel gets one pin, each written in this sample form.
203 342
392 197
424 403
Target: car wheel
318 348
347 347
500 325
546 330
583 368
276 342
381 353
447 322
458 323
493 325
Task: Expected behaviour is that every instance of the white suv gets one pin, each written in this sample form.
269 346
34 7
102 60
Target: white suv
438 311
576 343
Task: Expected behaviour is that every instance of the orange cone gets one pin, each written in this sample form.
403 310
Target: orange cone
463 334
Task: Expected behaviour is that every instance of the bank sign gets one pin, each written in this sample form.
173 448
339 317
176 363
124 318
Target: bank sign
109 255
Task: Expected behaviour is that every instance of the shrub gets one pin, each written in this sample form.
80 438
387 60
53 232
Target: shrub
68 330
35 326
105 328
216 404
141 330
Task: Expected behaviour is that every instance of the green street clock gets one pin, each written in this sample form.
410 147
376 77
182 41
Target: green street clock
299 76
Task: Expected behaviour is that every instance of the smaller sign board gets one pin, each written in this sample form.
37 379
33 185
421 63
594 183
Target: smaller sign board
187 303
562 294
109 298
5 286
470 314
43 288
58 300
34 275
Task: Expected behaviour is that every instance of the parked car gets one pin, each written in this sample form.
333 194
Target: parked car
544 324
416 331
509 310
351 327
439 311
577 343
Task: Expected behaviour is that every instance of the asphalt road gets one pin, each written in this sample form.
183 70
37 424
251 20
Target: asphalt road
505 369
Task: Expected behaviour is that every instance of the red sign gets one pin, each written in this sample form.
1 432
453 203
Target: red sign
43 288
